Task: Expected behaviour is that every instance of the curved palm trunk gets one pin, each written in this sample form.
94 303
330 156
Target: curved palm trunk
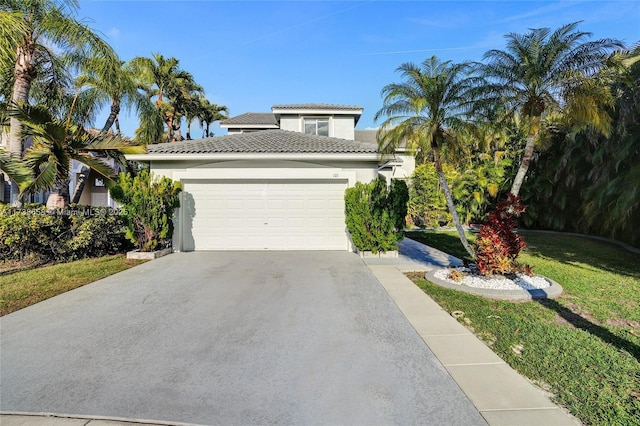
526 157
83 176
113 116
450 204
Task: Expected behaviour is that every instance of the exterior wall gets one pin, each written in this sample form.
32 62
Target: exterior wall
359 171
96 195
408 165
343 127
291 123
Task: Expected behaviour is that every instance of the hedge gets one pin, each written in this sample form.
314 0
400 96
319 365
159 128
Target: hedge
60 235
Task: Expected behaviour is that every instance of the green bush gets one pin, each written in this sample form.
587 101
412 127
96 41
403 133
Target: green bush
61 235
148 206
375 214
427 206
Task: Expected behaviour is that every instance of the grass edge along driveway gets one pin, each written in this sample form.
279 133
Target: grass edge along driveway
584 347
23 288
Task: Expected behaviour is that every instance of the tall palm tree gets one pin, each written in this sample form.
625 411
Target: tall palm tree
55 143
542 71
209 114
107 82
424 112
33 33
172 87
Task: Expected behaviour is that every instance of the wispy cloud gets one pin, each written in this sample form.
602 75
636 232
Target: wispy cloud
302 24
545 10
450 22
113 33
442 49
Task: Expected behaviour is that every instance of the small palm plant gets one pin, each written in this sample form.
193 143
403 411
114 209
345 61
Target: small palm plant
55 143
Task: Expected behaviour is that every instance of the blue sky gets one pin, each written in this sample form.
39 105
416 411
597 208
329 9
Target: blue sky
249 55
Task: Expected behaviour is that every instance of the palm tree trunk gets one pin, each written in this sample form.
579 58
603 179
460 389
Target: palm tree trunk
59 195
24 73
526 157
450 204
80 184
113 116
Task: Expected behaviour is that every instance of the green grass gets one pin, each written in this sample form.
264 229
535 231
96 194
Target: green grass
583 347
23 288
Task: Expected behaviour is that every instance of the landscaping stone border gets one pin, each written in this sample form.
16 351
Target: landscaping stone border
148 255
542 293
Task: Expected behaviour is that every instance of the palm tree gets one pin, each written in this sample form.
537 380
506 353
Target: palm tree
103 82
542 71
172 87
210 113
32 34
424 112
55 143
15 169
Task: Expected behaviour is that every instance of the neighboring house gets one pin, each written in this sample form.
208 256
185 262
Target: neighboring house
94 192
275 182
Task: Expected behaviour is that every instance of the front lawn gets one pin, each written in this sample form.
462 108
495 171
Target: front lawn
19 289
583 347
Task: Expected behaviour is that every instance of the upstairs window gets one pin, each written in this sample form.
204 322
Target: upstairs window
316 126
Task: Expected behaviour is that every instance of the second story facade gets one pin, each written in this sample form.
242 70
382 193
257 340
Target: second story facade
337 121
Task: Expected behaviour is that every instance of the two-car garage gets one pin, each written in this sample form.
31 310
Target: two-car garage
264 215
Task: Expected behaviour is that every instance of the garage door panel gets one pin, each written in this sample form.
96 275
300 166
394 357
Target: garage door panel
276 215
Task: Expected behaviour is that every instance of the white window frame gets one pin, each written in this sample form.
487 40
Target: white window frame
316 118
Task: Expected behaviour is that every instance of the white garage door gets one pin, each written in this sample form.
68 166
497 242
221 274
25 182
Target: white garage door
259 215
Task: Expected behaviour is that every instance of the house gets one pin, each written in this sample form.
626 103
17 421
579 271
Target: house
276 181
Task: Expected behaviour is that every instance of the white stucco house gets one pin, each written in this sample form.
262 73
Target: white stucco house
276 181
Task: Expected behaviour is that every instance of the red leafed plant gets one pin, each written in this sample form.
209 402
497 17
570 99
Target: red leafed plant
498 246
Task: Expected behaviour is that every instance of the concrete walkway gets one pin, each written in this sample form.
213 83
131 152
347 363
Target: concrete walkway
500 394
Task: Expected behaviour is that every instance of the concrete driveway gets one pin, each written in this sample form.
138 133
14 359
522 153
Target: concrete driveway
229 338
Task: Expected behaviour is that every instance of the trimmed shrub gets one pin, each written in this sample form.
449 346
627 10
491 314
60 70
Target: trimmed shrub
375 214
148 206
497 245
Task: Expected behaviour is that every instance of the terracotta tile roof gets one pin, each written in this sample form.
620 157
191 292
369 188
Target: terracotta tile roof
265 141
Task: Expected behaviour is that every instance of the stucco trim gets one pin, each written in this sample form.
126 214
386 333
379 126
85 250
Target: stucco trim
255 156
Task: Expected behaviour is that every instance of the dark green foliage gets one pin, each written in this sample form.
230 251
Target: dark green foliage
427 206
589 183
61 235
375 214
148 205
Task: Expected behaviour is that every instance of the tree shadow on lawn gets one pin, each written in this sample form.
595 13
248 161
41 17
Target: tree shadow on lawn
582 323
574 251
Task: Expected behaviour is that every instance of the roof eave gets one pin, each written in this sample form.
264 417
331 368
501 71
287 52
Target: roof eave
249 126
294 156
